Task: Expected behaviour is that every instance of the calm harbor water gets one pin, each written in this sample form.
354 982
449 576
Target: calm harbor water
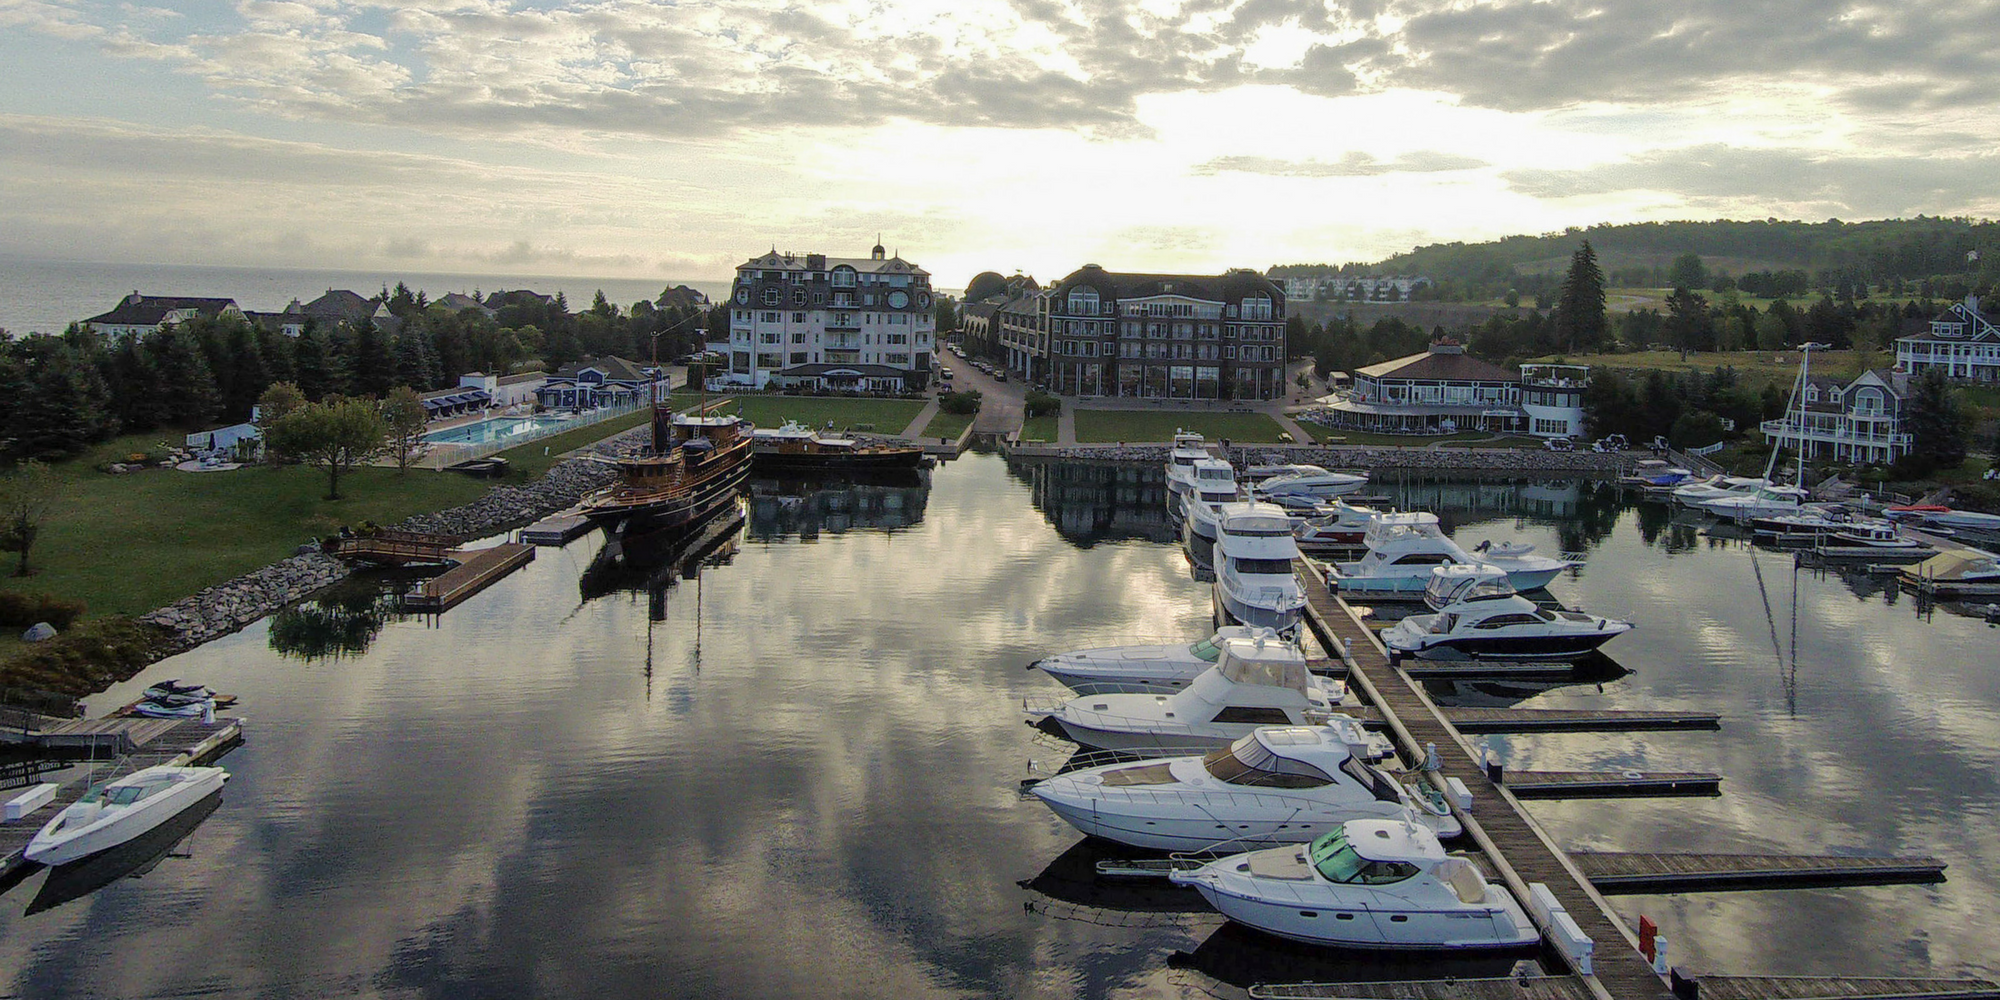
795 773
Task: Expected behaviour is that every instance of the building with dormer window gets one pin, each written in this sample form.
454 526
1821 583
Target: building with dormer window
1176 336
137 315
1963 342
830 322
1860 422
605 381
1444 391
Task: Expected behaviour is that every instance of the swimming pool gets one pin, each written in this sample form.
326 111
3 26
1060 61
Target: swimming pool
493 429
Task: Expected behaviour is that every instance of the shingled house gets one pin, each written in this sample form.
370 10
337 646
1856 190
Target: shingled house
137 315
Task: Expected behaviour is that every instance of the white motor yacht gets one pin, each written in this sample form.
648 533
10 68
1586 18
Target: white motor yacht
1188 446
1492 622
1370 884
1403 549
1214 484
1277 785
1316 483
1254 474
1766 502
1338 525
1143 669
1717 487
118 811
1254 551
1257 682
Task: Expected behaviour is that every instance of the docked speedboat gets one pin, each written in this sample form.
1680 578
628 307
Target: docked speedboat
1276 785
1257 682
1254 474
1370 884
1495 623
1214 484
1143 669
1653 473
1403 549
1254 550
1766 502
1717 487
1338 525
1313 482
1187 448
118 811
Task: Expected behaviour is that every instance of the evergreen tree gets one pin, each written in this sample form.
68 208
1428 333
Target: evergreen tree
371 363
139 397
1937 428
313 366
276 349
246 377
410 367
62 406
1580 307
186 384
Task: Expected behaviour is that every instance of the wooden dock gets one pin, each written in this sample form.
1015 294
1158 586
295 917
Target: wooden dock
182 741
556 529
1618 872
1573 720
1704 988
396 548
476 571
1609 784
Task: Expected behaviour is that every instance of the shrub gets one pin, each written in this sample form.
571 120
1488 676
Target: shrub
1041 404
22 610
962 403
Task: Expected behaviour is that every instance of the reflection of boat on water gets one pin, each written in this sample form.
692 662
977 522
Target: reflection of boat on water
134 858
883 500
694 466
1240 957
654 560
1072 879
1596 668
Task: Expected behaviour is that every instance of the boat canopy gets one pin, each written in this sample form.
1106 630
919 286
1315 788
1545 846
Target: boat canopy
1954 564
1251 761
1391 528
1271 672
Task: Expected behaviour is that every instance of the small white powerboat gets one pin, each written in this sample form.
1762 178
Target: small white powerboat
1717 487
1499 624
118 811
1404 548
1277 785
1317 482
1767 502
1257 682
1143 669
1370 884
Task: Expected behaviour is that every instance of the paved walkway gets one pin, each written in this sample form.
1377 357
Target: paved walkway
922 420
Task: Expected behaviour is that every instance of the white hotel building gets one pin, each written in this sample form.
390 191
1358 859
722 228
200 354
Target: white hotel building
830 322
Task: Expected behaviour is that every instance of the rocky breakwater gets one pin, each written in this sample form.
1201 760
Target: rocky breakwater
1442 459
506 507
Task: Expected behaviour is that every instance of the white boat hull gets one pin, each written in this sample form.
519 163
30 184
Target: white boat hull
1375 926
1237 611
57 844
1243 820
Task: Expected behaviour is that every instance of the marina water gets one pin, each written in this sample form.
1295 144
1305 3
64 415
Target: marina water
797 772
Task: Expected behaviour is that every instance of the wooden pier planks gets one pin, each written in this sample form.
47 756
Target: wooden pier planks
1710 988
1638 872
184 741
1509 988
478 570
1610 784
1618 968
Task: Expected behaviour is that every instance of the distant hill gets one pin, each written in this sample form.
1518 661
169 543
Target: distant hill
1876 252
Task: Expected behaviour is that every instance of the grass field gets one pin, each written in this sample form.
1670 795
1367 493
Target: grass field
948 425
1104 426
1754 368
1043 428
1334 435
881 416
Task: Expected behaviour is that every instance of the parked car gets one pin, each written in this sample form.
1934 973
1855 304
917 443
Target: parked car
1559 444
999 376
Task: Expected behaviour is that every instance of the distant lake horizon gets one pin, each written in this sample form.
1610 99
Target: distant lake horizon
45 296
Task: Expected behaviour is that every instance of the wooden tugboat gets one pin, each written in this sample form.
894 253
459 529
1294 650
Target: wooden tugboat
798 448
696 464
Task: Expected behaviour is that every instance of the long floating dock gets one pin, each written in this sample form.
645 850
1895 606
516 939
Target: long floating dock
183 741
1704 988
1574 720
478 570
1619 872
556 529
1609 784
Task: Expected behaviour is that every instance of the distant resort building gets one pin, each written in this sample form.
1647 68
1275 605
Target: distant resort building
1356 288
813 321
605 381
1963 342
1860 422
1178 336
1021 322
137 315
1444 391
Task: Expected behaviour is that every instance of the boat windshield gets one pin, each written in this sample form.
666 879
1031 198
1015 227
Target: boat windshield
1371 778
1239 765
125 795
1263 567
1336 860
1206 649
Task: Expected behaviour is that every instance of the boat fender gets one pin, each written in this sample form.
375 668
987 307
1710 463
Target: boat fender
1431 760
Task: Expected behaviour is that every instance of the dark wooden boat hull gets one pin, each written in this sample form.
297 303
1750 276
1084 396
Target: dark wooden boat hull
675 508
773 463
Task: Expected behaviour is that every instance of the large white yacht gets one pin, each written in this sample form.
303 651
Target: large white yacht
1257 682
1277 785
1488 620
1403 549
1311 481
1766 502
1370 884
1214 484
1254 551
1717 487
1144 669
1188 446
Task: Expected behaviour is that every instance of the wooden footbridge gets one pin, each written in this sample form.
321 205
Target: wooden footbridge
1522 855
468 571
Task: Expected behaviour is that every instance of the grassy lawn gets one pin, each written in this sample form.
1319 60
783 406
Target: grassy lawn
1044 428
948 425
1103 426
884 416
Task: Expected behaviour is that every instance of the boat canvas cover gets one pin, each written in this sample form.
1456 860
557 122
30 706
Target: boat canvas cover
1953 564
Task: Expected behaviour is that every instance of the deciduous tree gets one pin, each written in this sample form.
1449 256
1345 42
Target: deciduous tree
336 435
404 416
29 496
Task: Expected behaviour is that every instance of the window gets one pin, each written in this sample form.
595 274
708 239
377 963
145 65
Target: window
770 296
798 317
1252 716
799 337
798 357
843 277
769 317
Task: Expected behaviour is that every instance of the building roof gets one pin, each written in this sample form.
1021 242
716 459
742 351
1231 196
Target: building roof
151 310
806 262
459 302
340 304
534 376
1437 365
615 368
1228 286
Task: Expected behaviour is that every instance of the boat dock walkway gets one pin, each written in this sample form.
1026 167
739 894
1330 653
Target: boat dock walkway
177 742
1610 784
556 529
476 570
1522 854
1693 988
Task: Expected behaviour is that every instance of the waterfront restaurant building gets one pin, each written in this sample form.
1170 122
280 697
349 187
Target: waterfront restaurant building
1176 336
830 323
1444 391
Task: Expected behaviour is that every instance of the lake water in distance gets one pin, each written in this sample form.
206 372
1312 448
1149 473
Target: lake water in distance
796 773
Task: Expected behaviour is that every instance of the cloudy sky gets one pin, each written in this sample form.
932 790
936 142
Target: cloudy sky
627 138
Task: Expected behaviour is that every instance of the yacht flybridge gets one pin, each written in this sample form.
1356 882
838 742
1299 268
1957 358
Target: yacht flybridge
1277 785
1187 448
1213 485
1488 619
1403 549
1144 669
1256 682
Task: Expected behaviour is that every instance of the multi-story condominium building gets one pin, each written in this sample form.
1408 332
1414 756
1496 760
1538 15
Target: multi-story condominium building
1023 325
1444 390
1183 336
1859 422
830 322
1962 342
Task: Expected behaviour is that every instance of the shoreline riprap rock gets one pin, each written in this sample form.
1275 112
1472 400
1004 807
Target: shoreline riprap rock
1366 458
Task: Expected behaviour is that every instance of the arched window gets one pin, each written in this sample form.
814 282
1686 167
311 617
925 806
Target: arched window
843 277
1083 301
